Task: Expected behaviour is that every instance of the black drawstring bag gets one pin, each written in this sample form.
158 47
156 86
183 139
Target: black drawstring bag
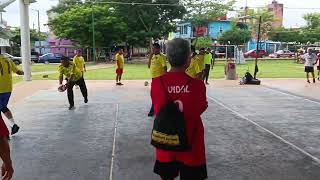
169 131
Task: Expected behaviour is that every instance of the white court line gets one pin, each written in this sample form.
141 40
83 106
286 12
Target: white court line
268 131
292 95
114 142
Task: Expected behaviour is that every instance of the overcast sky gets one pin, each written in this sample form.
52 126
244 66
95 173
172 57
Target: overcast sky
292 17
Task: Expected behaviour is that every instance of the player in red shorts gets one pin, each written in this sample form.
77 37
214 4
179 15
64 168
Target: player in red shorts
190 94
6 168
120 63
318 66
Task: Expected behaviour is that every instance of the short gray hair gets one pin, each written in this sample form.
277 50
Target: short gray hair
178 52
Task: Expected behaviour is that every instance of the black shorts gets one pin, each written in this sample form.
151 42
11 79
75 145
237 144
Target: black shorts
308 69
171 170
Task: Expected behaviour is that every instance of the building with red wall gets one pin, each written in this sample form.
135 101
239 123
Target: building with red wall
277 10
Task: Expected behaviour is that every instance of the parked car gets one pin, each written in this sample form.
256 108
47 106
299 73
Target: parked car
50 58
16 60
252 53
34 56
282 54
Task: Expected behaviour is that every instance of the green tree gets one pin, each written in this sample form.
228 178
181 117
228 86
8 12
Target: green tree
76 24
15 39
267 18
285 35
34 36
147 22
235 36
313 20
65 5
203 42
289 35
201 12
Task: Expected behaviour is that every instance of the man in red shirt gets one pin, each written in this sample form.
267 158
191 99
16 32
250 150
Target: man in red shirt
6 168
190 95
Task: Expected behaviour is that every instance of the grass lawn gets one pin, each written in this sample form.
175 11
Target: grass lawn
43 67
46 67
267 69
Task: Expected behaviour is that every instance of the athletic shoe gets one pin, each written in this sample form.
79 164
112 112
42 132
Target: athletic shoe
85 100
314 80
207 83
71 107
120 84
308 81
15 128
318 78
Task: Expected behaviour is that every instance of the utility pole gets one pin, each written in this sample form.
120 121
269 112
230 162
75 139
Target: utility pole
93 38
39 32
246 12
256 68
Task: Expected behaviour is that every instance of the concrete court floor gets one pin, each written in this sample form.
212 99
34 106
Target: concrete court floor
252 133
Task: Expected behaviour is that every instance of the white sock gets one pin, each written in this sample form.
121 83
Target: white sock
11 122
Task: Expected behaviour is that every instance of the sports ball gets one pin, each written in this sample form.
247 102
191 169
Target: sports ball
146 83
62 88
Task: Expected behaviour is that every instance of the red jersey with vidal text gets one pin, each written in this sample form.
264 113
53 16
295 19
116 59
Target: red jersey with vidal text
192 100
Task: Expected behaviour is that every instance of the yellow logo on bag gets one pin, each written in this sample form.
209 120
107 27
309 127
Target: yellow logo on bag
165 138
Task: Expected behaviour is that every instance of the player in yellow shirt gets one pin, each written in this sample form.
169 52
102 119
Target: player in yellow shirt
201 60
194 70
7 68
78 60
208 59
74 77
157 65
120 63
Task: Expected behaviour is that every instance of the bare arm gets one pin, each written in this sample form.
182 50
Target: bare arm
60 79
165 69
6 169
84 68
19 72
149 62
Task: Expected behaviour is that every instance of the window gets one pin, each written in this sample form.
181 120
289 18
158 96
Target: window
185 29
178 29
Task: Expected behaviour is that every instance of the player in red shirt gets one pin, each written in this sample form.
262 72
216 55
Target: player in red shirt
6 168
190 165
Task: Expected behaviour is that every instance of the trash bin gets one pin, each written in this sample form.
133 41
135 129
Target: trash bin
230 71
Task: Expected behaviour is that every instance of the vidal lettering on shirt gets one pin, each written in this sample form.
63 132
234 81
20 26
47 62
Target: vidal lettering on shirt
178 89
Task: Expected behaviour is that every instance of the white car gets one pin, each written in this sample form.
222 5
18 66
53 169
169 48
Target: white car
282 54
16 60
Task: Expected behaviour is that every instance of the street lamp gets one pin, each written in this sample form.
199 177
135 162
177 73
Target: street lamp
256 68
39 31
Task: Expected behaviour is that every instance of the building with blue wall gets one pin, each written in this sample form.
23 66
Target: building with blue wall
217 28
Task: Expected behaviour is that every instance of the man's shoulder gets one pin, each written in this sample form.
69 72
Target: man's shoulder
163 55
